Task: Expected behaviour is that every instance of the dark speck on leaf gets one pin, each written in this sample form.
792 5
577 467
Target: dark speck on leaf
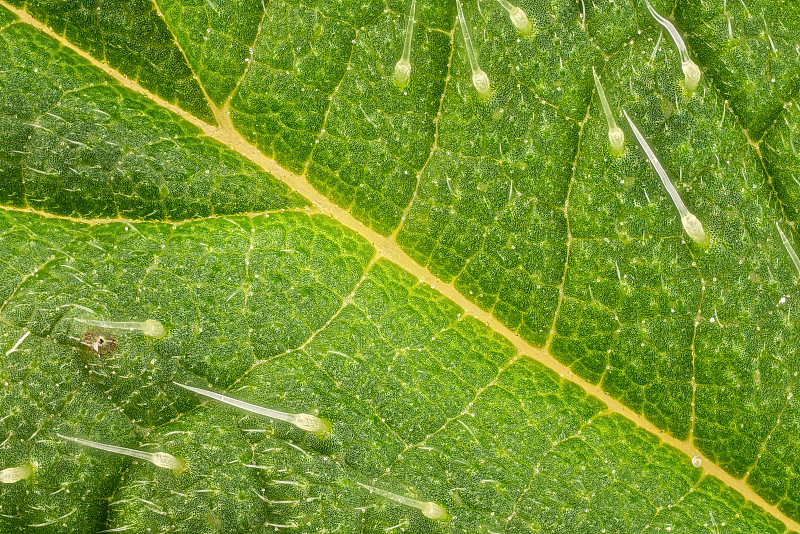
100 342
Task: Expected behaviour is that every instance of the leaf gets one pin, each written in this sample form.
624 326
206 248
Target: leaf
494 313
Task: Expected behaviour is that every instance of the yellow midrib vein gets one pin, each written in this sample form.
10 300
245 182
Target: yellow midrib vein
388 249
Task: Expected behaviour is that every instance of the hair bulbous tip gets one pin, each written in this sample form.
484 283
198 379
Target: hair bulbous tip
691 224
432 510
616 141
153 328
402 74
520 21
690 71
159 459
311 423
518 17
616 137
694 229
429 509
166 460
479 78
692 76
11 475
402 70
482 85
150 327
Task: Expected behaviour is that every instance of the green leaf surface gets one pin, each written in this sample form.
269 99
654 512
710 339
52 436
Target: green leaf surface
128 199
132 38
